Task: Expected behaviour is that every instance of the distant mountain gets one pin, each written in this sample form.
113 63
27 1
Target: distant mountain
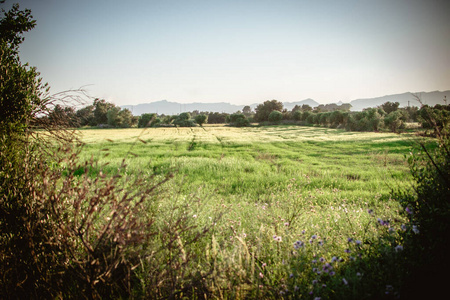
173 108
405 99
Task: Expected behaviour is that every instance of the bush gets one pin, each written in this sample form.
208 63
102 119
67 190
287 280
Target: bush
238 120
275 116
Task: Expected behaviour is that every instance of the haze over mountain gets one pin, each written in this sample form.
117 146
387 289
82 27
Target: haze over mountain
171 108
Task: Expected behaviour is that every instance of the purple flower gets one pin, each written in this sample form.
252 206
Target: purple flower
298 244
347 251
408 210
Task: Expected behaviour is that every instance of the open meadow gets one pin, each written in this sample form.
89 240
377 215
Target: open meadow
290 210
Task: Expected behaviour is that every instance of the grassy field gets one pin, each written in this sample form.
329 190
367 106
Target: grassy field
267 190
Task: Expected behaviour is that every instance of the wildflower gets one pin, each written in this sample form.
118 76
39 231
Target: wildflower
321 243
398 248
291 275
358 242
403 227
324 285
408 210
332 273
194 216
370 211
261 275
303 231
317 298
349 240
358 274
244 235
322 259
298 244
279 239
345 281
314 237
334 259
314 282
415 229
347 250
264 265
314 261
286 224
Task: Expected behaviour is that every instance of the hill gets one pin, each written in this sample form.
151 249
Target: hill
172 108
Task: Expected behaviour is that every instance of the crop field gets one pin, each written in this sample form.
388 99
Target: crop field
270 195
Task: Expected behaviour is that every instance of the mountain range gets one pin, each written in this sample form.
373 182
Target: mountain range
171 108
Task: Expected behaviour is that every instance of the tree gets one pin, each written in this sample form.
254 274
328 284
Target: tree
201 119
263 110
101 108
238 120
394 121
184 120
275 116
85 116
247 110
145 120
389 107
22 93
306 107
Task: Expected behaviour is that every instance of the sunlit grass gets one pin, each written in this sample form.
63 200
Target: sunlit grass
287 181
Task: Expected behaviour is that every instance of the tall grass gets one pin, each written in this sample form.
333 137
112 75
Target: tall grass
267 190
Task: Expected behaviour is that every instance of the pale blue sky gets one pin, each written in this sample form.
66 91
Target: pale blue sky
240 52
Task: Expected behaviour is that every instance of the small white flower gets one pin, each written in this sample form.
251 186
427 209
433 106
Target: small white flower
194 216
398 248
415 229
345 281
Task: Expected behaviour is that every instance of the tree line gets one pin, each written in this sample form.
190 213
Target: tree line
388 116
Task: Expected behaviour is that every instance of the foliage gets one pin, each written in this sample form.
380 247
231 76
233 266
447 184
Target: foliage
147 120
201 119
22 93
393 121
275 116
436 118
389 107
85 116
184 120
238 120
263 110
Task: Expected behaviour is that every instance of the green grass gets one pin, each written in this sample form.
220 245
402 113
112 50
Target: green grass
285 181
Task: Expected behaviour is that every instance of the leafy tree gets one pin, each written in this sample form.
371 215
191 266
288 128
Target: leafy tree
127 118
306 107
101 108
275 116
85 116
263 110
22 93
389 107
297 115
63 116
238 120
247 110
394 121
184 120
201 119
145 120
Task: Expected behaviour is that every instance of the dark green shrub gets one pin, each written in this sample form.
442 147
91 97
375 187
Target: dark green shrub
238 120
275 116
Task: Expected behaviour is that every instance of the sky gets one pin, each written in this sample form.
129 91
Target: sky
237 51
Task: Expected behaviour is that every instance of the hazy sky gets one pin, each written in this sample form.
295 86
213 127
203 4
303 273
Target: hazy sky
242 51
